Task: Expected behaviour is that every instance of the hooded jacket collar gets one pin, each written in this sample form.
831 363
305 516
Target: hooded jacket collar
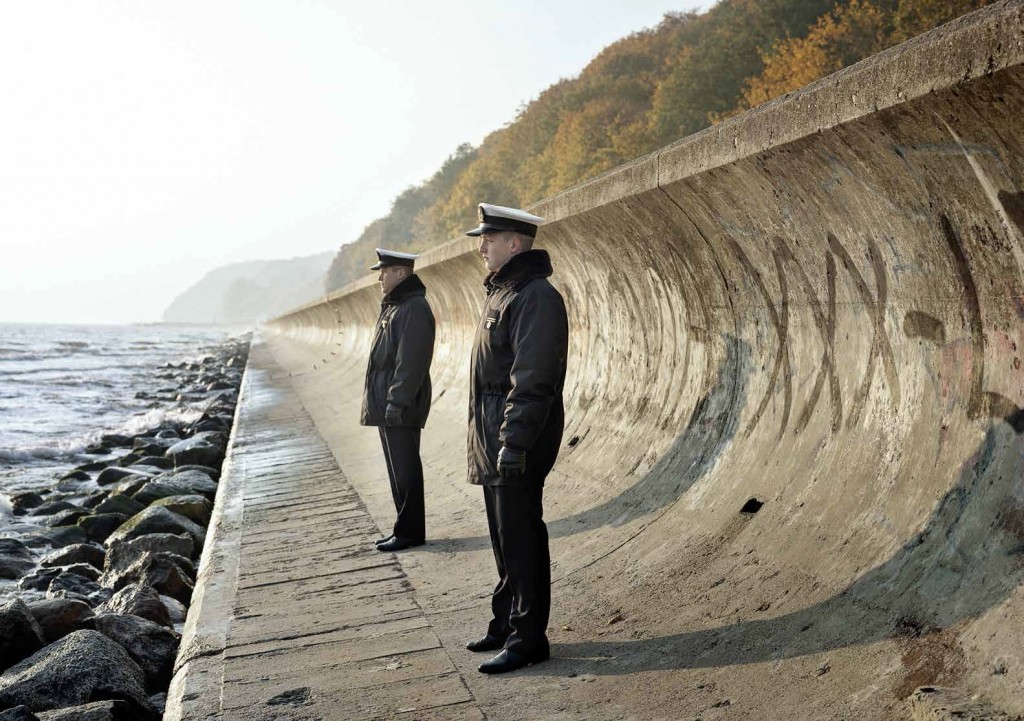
520 269
406 289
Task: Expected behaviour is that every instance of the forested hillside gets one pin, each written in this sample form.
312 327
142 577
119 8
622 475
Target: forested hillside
637 95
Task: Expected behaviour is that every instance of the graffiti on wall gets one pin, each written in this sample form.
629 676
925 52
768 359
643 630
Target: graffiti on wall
794 286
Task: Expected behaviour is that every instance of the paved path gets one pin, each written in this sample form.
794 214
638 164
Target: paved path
298 617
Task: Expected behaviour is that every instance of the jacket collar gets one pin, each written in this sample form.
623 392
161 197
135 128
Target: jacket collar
406 289
520 269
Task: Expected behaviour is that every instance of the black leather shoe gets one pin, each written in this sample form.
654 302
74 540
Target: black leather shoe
487 643
383 540
399 544
509 660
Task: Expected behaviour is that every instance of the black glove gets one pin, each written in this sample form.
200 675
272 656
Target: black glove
393 415
511 464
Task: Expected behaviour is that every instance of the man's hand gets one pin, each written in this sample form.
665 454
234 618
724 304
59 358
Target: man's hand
393 415
511 464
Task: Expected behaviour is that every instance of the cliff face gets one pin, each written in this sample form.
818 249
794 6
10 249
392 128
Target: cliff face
245 293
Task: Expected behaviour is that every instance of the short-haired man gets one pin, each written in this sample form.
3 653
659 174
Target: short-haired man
396 397
515 428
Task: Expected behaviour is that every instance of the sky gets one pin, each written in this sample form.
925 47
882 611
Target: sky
144 143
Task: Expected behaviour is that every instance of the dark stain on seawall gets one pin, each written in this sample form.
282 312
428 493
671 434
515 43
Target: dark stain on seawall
917 324
982 403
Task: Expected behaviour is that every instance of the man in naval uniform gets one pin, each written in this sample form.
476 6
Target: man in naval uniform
515 428
396 397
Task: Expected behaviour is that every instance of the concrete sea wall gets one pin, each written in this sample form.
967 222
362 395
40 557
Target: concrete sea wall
819 305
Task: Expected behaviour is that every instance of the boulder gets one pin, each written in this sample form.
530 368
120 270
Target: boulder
98 527
153 463
217 438
159 700
48 509
57 537
193 507
20 635
113 474
92 466
83 570
120 503
122 554
38 580
129 458
67 517
95 711
15 558
72 585
148 447
91 498
176 610
138 600
150 645
77 553
116 439
213 473
196 451
205 425
168 573
157 520
22 502
82 667
128 486
58 617
182 483
18 713
152 439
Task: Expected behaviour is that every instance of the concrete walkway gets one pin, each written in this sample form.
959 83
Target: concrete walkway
296 616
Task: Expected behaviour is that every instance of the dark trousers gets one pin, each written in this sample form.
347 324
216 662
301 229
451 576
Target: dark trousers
402 455
521 602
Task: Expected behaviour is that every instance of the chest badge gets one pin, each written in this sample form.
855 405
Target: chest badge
491 322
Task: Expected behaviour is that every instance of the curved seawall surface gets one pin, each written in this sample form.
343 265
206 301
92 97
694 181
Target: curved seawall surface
793 466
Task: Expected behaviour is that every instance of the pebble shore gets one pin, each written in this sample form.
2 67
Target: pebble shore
100 568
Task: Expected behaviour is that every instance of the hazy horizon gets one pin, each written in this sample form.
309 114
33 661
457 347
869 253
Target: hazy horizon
147 144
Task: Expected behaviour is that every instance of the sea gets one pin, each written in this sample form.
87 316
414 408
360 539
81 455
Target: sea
63 386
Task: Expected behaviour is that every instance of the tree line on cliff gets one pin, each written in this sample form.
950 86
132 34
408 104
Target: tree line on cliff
641 93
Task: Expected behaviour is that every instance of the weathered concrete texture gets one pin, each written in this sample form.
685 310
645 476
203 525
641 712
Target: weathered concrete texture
296 614
820 305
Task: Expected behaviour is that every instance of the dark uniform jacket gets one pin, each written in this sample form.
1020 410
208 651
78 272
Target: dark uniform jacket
399 368
518 370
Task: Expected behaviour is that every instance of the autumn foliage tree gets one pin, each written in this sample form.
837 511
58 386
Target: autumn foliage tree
639 94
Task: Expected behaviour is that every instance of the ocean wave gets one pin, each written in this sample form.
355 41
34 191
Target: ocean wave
71 447
29 454
156 416
19 355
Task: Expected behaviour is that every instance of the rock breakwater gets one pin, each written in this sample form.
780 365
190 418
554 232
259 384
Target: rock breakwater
98 571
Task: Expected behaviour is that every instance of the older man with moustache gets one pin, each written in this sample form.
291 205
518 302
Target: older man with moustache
515 428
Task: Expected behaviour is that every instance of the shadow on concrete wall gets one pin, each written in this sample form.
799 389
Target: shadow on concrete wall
711 427
967 559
